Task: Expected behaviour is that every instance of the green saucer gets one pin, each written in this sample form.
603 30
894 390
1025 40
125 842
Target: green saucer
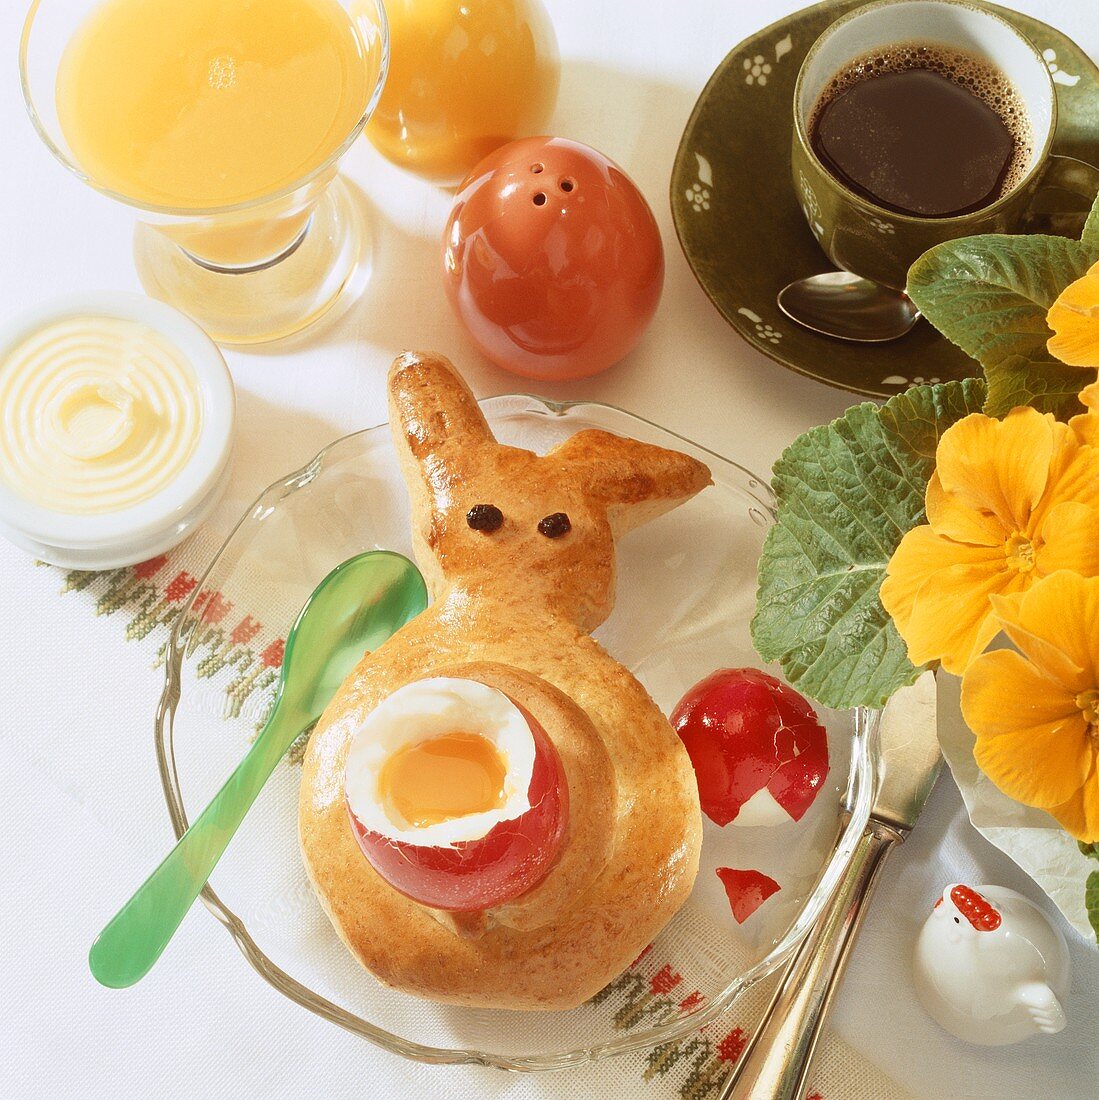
745 236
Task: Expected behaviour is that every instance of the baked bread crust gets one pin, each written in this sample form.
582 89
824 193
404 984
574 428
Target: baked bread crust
513 609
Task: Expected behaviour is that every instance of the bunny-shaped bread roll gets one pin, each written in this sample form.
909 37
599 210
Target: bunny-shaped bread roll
513 609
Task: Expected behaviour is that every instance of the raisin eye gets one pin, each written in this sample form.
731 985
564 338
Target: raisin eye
553 527
485 517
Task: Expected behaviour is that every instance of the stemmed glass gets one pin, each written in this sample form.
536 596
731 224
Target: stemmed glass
251 271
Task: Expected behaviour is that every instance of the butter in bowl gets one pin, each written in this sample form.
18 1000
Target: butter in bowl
116 429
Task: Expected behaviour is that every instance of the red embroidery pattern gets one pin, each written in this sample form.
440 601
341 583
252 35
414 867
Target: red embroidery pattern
151 594
245 630
147 569
213 605
180 587
648 995
732 1046
664 981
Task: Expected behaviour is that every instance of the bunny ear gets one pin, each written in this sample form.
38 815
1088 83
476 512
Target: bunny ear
435 417
635 481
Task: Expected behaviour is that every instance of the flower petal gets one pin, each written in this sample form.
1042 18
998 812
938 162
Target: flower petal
1086 427
1062 609
998 466
1080 814
1042 765
1073 474
1074 318
1069 540
921 555
1032 740
937 592
1002 691
1045 654
951 516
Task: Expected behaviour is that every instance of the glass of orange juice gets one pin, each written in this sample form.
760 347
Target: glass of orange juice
223 123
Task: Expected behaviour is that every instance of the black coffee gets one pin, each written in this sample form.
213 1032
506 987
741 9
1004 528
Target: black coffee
922 130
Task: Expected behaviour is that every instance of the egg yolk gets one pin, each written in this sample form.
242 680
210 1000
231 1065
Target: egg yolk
444 778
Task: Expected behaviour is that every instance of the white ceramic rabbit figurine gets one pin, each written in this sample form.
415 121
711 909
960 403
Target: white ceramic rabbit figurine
990 968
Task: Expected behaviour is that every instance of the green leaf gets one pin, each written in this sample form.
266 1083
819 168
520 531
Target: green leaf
990 295
847 493
1091 888
1090 236
1046 383
1091 901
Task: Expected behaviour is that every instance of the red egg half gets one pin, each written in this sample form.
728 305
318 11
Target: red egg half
552 259
747 732
509 859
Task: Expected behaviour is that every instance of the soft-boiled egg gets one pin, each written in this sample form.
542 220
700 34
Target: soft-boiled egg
456 794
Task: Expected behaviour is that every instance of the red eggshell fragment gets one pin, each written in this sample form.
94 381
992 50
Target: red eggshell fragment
745 730
507 861
746 890
552 259
796 784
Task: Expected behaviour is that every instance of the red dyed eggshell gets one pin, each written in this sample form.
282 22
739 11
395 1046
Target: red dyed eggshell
556 289
746 890
507 861
744 730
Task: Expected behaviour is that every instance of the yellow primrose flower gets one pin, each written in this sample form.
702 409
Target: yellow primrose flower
1086 425
1074 318
1010 501
1036 713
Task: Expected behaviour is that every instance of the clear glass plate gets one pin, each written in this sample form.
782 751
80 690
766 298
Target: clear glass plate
686 592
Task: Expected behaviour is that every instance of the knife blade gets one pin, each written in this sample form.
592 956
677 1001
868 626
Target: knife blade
776 1062
908 759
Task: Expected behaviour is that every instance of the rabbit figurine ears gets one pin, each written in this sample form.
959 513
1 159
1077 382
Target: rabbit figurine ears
605 485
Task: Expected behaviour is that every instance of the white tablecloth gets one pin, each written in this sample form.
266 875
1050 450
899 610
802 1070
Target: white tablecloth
202 1024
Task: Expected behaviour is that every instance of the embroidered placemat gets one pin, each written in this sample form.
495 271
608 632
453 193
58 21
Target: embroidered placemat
238 650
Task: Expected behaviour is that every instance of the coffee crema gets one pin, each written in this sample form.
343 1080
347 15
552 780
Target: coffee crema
923 130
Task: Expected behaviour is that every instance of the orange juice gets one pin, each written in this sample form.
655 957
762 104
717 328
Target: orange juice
204 103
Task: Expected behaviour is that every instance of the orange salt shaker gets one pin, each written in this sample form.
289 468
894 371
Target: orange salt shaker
552 259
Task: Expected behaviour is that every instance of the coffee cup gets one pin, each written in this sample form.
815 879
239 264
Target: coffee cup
877 242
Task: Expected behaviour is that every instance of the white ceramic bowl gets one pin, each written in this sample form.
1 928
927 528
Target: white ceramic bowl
143 530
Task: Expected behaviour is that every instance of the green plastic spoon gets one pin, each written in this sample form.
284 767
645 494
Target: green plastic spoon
354 609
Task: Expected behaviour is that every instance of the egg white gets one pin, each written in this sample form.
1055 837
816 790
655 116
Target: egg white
762 809
422 711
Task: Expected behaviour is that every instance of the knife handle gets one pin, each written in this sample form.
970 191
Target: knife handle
775 1064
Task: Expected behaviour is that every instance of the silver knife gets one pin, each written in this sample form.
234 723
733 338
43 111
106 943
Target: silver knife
775 1064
